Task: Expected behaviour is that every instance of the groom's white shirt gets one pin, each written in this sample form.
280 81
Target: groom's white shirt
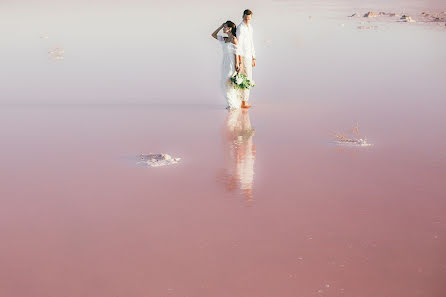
245 46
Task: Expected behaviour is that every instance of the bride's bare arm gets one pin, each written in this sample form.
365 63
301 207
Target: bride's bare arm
218 30
237 57
237 62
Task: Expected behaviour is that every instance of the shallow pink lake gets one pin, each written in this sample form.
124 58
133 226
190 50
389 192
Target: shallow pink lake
262 203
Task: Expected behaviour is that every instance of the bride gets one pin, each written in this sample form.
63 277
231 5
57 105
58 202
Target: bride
229 44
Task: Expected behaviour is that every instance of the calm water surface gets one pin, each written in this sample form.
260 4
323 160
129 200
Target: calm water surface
262 204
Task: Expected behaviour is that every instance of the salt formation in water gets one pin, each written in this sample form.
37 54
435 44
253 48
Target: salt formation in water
158 160
354 139
423 17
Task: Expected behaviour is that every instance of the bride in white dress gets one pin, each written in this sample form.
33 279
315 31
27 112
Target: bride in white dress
229 45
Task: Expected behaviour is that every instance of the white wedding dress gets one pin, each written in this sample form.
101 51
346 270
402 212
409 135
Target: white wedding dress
233 96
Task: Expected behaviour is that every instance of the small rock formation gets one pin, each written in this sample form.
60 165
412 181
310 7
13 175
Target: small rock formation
408 19
422 17
370 14
158 160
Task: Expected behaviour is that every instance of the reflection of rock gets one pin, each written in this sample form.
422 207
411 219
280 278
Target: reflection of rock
56 53
268 42
158 160
367 27
370 14
390 14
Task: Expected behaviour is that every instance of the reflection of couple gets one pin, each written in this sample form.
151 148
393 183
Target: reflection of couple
238 56
239 152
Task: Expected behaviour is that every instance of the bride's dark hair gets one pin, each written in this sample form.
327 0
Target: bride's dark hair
233 27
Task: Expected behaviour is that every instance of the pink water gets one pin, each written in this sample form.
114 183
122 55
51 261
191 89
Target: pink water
262 204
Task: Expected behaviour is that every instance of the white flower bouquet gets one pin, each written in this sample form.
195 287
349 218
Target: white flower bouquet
241 81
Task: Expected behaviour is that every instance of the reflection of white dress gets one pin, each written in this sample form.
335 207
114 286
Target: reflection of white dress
232 95
239 150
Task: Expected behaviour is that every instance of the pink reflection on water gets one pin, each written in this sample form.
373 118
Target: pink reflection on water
78 220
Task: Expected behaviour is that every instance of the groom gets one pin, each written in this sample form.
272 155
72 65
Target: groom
246 55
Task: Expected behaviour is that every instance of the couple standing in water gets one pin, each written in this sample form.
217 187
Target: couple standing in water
238 56
239 150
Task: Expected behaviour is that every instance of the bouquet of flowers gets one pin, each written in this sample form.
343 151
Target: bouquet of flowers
240 81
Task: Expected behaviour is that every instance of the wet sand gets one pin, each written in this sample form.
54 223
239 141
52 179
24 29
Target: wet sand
261 204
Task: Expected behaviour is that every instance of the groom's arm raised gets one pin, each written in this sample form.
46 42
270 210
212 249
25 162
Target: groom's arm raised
218 30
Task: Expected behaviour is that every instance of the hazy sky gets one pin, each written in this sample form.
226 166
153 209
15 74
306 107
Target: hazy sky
135 51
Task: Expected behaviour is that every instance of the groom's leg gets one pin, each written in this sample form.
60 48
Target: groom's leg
247 70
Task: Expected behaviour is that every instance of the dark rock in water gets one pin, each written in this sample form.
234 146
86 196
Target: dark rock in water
406 18
370 14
